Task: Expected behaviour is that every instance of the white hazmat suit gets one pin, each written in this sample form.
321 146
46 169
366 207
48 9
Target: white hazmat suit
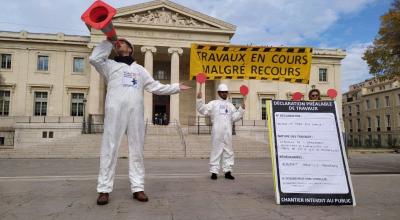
223 113
124 114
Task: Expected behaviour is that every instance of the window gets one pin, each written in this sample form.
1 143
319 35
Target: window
349 107
323 75
351 125
390 139
79 65
398 97
2 141
387 101
376 103
358 108
388 121
40 104
358 124
46 134
237 102
368 105
378 121
4 102
264 108
369 122
379 139
43 63
161 70
5 61
77 104
161 75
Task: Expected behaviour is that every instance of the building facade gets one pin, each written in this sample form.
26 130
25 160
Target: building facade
48 75
371 113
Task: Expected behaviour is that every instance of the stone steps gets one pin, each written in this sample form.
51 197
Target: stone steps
160 142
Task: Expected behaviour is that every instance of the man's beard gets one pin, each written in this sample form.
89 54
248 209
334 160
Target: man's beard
124 59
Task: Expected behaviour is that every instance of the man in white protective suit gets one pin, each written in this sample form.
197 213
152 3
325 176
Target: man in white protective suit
223 114
126 81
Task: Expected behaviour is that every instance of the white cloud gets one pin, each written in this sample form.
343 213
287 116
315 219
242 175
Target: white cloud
284 22
268 22
264 22
260 22
354 68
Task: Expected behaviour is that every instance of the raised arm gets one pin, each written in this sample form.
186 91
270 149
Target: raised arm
156 87
99 58
204 109
237 114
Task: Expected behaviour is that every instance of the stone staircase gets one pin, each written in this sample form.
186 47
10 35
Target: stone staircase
163 142
82 146
199 146
160 142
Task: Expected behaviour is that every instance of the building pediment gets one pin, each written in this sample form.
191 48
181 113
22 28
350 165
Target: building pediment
163 13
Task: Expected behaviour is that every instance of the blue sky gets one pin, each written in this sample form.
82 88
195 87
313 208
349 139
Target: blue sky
359 27
351 25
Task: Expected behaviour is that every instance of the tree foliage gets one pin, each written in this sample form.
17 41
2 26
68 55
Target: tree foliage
383 57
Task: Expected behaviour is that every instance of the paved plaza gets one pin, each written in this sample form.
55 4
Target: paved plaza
181 189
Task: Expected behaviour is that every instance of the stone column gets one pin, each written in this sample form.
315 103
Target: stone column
148 97
174 101
94 95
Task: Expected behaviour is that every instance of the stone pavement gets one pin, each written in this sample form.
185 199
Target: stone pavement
181 189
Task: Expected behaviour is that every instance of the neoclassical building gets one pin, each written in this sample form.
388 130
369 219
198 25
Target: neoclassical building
49 74
371 113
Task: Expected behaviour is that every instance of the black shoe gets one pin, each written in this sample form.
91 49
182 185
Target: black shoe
228 175
214 176
140 196
102 199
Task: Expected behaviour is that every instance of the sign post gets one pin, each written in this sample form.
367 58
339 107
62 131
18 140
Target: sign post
308 155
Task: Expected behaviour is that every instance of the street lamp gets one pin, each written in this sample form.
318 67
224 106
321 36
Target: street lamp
84 117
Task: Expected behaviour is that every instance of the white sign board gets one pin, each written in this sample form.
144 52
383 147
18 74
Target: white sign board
308 155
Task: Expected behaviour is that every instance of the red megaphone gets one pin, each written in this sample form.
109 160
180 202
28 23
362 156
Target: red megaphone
99 16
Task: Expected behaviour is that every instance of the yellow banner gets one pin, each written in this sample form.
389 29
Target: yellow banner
289 64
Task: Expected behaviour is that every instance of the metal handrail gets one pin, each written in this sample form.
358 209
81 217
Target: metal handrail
181 136
46 119
145 128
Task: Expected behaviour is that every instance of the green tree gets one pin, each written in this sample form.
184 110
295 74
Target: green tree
383 57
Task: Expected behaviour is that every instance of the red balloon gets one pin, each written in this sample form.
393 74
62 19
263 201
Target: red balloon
332 93
244 90
297 96
201 78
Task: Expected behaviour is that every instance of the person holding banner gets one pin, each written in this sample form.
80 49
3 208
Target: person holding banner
314 94
223 114
126 81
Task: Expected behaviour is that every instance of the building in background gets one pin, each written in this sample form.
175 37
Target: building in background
48 79
371 113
